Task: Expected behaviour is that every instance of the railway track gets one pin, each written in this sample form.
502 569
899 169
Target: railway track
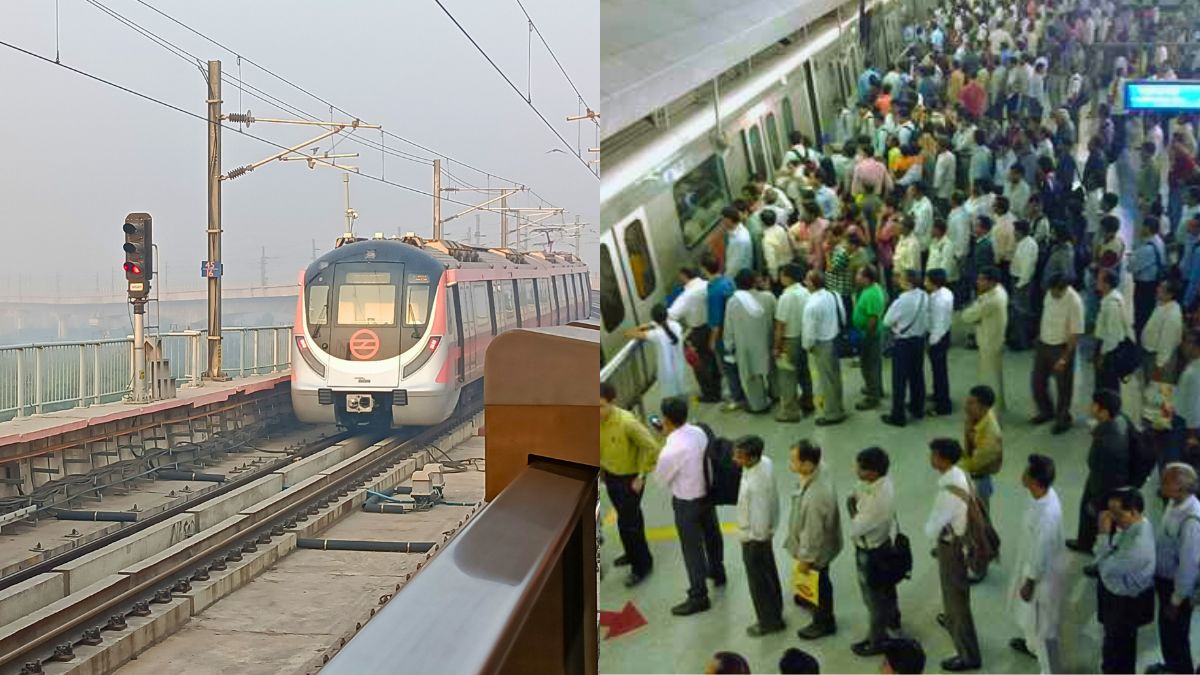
109 610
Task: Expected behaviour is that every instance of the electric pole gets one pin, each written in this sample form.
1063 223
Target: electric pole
262 269
314 252
477 239
213 264
437 199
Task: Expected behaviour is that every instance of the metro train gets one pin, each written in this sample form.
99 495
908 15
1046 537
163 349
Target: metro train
389 332
667 177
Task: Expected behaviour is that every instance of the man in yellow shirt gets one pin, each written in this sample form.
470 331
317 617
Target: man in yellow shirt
628 451
983 448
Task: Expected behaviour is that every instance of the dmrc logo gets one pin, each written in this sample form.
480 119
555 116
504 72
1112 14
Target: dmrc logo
364 344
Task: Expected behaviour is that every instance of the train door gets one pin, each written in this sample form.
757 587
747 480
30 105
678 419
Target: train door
466 326
635 258
788 118
460 340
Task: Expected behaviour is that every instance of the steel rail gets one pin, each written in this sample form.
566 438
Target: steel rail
39 637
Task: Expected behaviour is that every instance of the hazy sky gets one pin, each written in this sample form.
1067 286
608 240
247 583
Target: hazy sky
80 155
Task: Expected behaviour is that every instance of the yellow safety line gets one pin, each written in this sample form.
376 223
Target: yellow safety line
668 531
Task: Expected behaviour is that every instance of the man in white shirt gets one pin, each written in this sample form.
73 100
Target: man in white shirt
944 174
872 510
1061 325
908 321
824 318
1112 327
690 309
946 526
739 248
941 315
1163 334
680 469
1024 266
942 255
1004 236
777 245
758 516
791 359
958 231
989 313
921 210
1017 191
1037 588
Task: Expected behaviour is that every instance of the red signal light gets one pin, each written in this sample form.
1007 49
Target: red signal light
133 267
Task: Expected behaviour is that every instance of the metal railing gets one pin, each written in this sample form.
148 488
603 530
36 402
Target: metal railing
632 372
44 377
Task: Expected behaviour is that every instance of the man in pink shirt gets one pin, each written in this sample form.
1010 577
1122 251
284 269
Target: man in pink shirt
871 171
680 469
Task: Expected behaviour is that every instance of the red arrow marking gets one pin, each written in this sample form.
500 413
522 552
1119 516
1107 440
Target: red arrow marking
624 621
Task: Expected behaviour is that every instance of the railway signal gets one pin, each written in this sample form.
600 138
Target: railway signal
139 254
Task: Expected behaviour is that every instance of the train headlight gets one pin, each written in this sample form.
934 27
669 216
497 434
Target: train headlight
420 360
309 358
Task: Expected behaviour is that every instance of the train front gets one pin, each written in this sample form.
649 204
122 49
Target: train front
369 346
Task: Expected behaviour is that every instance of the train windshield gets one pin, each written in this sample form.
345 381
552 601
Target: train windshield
367 299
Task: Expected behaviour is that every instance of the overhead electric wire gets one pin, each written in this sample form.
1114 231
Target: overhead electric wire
204 119
529 103
315 96
553 56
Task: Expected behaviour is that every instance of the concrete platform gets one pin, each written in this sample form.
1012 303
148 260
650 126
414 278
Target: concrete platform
27 429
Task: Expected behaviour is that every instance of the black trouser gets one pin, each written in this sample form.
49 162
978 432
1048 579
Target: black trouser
823 615
956 599
941 376
1118 653
908 370
1145 297
880 598
700 539
707 370
1174 634
1044 360
1021 316
1106 373
1090 507
630 524
765 589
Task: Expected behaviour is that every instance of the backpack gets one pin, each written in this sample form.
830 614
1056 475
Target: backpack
722 476
980 542
1142 456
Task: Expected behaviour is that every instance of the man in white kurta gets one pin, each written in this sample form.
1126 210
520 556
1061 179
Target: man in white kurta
749 326
1036 594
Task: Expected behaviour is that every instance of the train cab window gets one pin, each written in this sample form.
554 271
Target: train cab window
699 197
416 305
640 265
318 305
612 310
789 121
366 299
773 138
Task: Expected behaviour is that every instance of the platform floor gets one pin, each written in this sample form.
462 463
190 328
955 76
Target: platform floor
681 645
49 424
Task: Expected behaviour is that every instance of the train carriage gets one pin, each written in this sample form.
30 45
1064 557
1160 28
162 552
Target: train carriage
389 332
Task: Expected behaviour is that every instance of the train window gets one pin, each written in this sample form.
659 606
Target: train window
483 309
760 155
789 121
773 137
529 313
699 197
560 299
640 265
416 305
612 310
545 305
318 305
505 312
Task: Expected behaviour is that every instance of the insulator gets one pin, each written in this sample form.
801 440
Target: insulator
241 170
241 118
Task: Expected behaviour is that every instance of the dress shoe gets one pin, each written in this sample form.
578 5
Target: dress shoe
691 606
866 648
816 630
1075 546
718 579
759 630
621 561
1041 419
892 421
1156 668
1060 428
958 664
634 579
829 421
1018 645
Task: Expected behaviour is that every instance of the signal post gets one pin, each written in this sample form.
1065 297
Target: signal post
139 270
